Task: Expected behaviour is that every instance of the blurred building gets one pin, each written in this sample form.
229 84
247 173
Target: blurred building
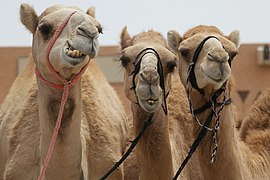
251 70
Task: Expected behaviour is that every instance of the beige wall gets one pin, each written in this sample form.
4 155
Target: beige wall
250 78
8 67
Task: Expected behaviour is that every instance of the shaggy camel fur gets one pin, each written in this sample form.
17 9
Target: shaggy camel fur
165 142
93 133
246 158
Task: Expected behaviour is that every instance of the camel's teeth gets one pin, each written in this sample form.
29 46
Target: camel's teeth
151 102
74 53
69 53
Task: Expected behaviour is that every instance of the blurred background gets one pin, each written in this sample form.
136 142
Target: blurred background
251 68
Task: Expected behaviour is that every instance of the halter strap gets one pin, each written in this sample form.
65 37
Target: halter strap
137 64
191 70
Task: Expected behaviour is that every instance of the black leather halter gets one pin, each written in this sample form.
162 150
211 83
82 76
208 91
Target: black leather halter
191 69
137 64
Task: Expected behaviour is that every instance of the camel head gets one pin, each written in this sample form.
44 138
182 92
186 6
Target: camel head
148 62
74 47
212 66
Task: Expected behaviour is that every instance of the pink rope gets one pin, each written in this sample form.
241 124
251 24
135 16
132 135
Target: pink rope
65 86
55 132
54 38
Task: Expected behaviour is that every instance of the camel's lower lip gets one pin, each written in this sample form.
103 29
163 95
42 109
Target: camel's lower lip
73 60
149 105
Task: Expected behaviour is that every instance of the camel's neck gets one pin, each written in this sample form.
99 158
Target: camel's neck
66 157
228 163
153 150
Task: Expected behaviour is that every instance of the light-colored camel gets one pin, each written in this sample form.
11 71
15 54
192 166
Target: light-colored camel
93 133
235 159
166 140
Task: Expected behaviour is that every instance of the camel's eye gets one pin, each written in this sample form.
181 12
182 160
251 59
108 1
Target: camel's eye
46 30
171 66
184 52
124 60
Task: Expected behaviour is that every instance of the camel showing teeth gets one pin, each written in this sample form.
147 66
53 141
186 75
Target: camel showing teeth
151 102
74 53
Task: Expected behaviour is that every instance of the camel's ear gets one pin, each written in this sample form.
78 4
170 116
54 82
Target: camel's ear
174 39
92 12
125 38
29 17
234 37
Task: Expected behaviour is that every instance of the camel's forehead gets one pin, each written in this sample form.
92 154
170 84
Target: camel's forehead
60 9
149 37
202 29
193 41
134 50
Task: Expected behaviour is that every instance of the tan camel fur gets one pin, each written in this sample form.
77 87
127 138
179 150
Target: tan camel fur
165 142
255 132
246 158
93 133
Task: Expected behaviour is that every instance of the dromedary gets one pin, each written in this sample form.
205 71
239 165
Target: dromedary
210 78
149 79
93 133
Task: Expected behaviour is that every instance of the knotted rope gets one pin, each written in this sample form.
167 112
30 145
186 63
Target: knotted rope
65 86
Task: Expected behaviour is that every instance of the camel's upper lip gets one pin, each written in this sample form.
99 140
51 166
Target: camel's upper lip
218 80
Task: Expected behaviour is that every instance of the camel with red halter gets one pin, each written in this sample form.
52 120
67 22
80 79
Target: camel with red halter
81 110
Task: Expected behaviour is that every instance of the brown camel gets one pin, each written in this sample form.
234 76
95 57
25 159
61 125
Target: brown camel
93 133
235 158
149 77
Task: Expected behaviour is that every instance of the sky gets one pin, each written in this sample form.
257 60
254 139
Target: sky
250 17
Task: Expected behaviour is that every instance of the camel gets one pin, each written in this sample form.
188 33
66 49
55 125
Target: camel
94 129
236 158
149 81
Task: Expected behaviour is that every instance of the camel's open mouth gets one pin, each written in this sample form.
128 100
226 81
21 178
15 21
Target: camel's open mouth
74 53
151 101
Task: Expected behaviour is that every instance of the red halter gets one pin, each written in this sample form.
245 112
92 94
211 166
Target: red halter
64 86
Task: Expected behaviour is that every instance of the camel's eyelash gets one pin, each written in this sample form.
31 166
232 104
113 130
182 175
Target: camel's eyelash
100 29
232 55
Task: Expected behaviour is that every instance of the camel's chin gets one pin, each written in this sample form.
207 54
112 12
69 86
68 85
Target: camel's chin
74 60
150 106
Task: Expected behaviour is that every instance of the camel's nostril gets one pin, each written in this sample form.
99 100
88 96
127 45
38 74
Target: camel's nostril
90 32
149 76
211 57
